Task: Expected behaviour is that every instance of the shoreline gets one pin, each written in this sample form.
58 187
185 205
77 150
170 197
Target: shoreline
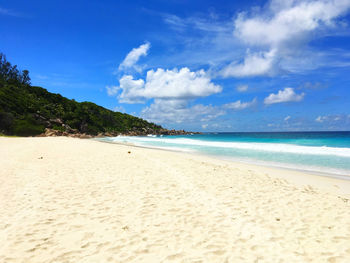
330 171
316 174
69 200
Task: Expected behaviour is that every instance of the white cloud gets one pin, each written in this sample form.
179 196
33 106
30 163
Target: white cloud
320 119
112 90
205 24
119 109
181 83
287 118
167 84
286 95
284 26
132 90
254 64
171 89
331 118
177 111
204 126
176 22
281 32
289 22
134 55
242 88
238 105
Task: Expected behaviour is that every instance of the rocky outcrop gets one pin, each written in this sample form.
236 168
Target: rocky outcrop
54 133
56 121
66 130
69 132
158 132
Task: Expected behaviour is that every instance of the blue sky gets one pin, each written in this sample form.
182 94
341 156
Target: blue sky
194 65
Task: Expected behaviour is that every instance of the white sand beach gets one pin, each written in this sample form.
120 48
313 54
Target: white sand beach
74 200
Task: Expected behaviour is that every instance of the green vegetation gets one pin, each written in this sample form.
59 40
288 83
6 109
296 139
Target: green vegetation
27 110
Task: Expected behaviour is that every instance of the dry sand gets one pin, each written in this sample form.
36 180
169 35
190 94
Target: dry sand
87 201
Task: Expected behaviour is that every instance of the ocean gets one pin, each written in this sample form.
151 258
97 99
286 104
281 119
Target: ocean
320 152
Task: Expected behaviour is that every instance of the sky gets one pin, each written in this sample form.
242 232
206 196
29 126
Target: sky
195 65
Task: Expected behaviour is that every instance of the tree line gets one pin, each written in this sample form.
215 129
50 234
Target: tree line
26 110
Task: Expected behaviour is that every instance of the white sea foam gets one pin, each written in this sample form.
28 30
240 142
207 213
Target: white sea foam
267 147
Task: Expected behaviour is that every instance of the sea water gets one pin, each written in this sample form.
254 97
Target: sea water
325 152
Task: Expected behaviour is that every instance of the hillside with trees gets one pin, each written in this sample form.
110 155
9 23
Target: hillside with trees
27 110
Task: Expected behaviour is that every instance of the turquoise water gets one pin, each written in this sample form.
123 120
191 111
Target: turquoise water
327 152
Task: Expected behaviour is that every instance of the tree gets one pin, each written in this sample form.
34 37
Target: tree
6 122
25 77
11 74
5 67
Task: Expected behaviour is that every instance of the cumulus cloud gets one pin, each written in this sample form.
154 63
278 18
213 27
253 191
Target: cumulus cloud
166 84
132 90
280 32
254 64
242 88
286 95
172 92
289 22
178 111
134 55
181 83
238 105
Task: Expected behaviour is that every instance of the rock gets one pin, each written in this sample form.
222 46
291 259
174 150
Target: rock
85 136
51 132
74 133
68 128
100 135
57 120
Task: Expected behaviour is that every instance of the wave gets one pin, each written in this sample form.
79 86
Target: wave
266 147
